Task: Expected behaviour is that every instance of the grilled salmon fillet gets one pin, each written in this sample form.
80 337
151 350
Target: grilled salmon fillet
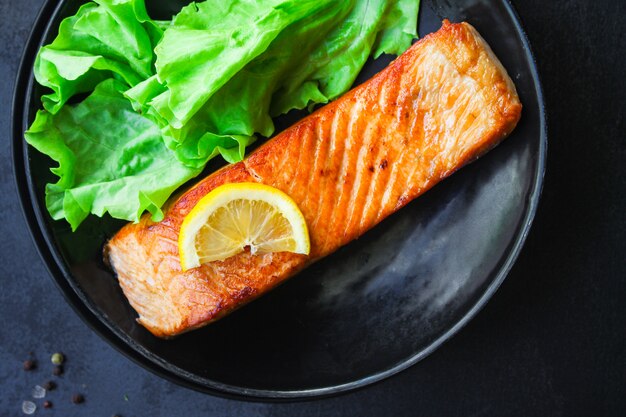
440 105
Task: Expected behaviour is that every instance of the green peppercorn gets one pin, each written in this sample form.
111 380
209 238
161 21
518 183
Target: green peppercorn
57 358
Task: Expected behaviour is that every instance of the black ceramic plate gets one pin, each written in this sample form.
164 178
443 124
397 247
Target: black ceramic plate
372 309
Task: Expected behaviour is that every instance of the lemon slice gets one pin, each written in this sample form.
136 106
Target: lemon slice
235 216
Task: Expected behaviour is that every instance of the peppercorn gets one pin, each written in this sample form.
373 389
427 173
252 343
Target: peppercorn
78 398
29 365
47 404
58 370
57 358
49 386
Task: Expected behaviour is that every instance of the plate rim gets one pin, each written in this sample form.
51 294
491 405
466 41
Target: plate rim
34 215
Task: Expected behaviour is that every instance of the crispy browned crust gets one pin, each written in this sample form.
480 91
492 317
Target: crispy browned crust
440 105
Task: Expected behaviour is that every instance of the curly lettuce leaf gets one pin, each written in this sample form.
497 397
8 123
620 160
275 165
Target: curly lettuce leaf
215 40
110 159
398 29
330 70
105 39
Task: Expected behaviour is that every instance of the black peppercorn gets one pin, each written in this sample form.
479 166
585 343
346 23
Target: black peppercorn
58 370
78 398
47 404
29 365
49 386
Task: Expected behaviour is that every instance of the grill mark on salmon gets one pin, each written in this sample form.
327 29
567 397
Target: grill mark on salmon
363 174
346 177
349 165
327 181
370 179
295 187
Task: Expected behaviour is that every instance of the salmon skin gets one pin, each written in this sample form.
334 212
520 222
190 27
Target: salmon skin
440 105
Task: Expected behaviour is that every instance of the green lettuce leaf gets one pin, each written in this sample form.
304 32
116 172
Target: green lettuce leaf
330 70
228 36
398 29
110 159
105 39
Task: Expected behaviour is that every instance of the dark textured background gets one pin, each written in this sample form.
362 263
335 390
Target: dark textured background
551 342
